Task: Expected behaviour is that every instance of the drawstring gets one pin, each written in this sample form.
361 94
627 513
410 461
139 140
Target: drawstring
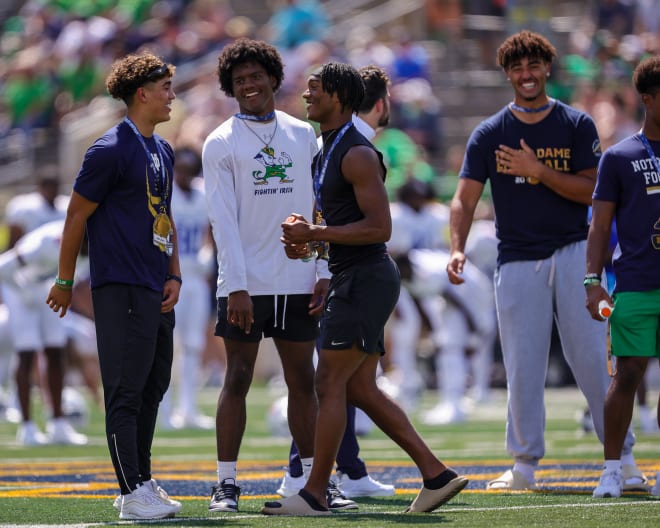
551 276
283 311
275 309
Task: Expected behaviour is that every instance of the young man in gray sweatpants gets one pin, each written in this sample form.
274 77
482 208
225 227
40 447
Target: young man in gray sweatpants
540 156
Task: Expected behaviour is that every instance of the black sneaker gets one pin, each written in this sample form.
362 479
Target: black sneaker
224 497
337 500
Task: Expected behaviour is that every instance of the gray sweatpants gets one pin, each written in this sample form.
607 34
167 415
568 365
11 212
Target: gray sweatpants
528 295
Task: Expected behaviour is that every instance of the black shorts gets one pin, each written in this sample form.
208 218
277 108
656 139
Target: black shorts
280 316
359 302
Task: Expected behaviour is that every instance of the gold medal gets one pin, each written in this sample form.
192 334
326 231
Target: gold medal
162 231
322 248
162 225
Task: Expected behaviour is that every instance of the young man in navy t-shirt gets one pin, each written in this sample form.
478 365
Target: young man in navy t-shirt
540 156
122 196
628 190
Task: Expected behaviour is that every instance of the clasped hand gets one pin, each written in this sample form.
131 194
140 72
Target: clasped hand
296 234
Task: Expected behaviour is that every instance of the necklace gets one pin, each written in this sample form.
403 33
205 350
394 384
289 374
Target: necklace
259 137
519 108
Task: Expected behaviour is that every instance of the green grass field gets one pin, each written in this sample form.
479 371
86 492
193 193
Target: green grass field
74 486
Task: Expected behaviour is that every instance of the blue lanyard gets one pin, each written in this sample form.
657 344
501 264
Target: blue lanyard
654 158
252 117
319 175
160 178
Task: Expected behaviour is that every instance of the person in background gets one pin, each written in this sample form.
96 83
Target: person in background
32 328
627 190
26 272
122 197
192 226
540 156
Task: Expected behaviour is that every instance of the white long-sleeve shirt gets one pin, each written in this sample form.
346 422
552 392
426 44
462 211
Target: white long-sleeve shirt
250 190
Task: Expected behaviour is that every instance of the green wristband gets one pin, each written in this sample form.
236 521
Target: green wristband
64 282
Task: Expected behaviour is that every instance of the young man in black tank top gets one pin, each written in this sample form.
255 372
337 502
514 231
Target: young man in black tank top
352 215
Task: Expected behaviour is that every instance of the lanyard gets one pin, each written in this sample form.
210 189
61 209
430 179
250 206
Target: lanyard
160 178
319 175
654 158
251 117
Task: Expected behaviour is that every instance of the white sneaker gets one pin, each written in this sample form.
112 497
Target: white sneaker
655 491
610 485
155 487
443 414
158 491
634 479
363 487
28 434
291 485
144 503
60 431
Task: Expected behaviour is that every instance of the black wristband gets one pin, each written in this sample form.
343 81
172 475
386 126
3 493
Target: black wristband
174 278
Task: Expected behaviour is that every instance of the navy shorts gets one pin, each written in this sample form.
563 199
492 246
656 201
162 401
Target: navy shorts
279 316
359 302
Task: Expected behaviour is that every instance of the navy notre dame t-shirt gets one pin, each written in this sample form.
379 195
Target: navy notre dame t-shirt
117 174
533 221
628 177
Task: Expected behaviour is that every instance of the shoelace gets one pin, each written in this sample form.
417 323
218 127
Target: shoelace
226 491
160 491
334 492
149 497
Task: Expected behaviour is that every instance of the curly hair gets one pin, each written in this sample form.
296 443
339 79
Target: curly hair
344 80
133 71
525 44
375 81
646 76
248 50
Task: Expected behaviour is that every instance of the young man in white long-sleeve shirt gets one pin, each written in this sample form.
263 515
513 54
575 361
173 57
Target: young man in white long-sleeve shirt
257 169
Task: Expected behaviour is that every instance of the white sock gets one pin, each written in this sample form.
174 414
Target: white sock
307 466
527 470
612 465
226 470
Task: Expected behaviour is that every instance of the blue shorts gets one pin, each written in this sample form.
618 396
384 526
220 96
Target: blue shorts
359 302
279 316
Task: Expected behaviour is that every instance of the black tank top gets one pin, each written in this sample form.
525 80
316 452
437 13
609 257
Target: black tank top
339 204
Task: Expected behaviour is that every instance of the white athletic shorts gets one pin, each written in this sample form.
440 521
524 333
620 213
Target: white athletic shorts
32 323
82 332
